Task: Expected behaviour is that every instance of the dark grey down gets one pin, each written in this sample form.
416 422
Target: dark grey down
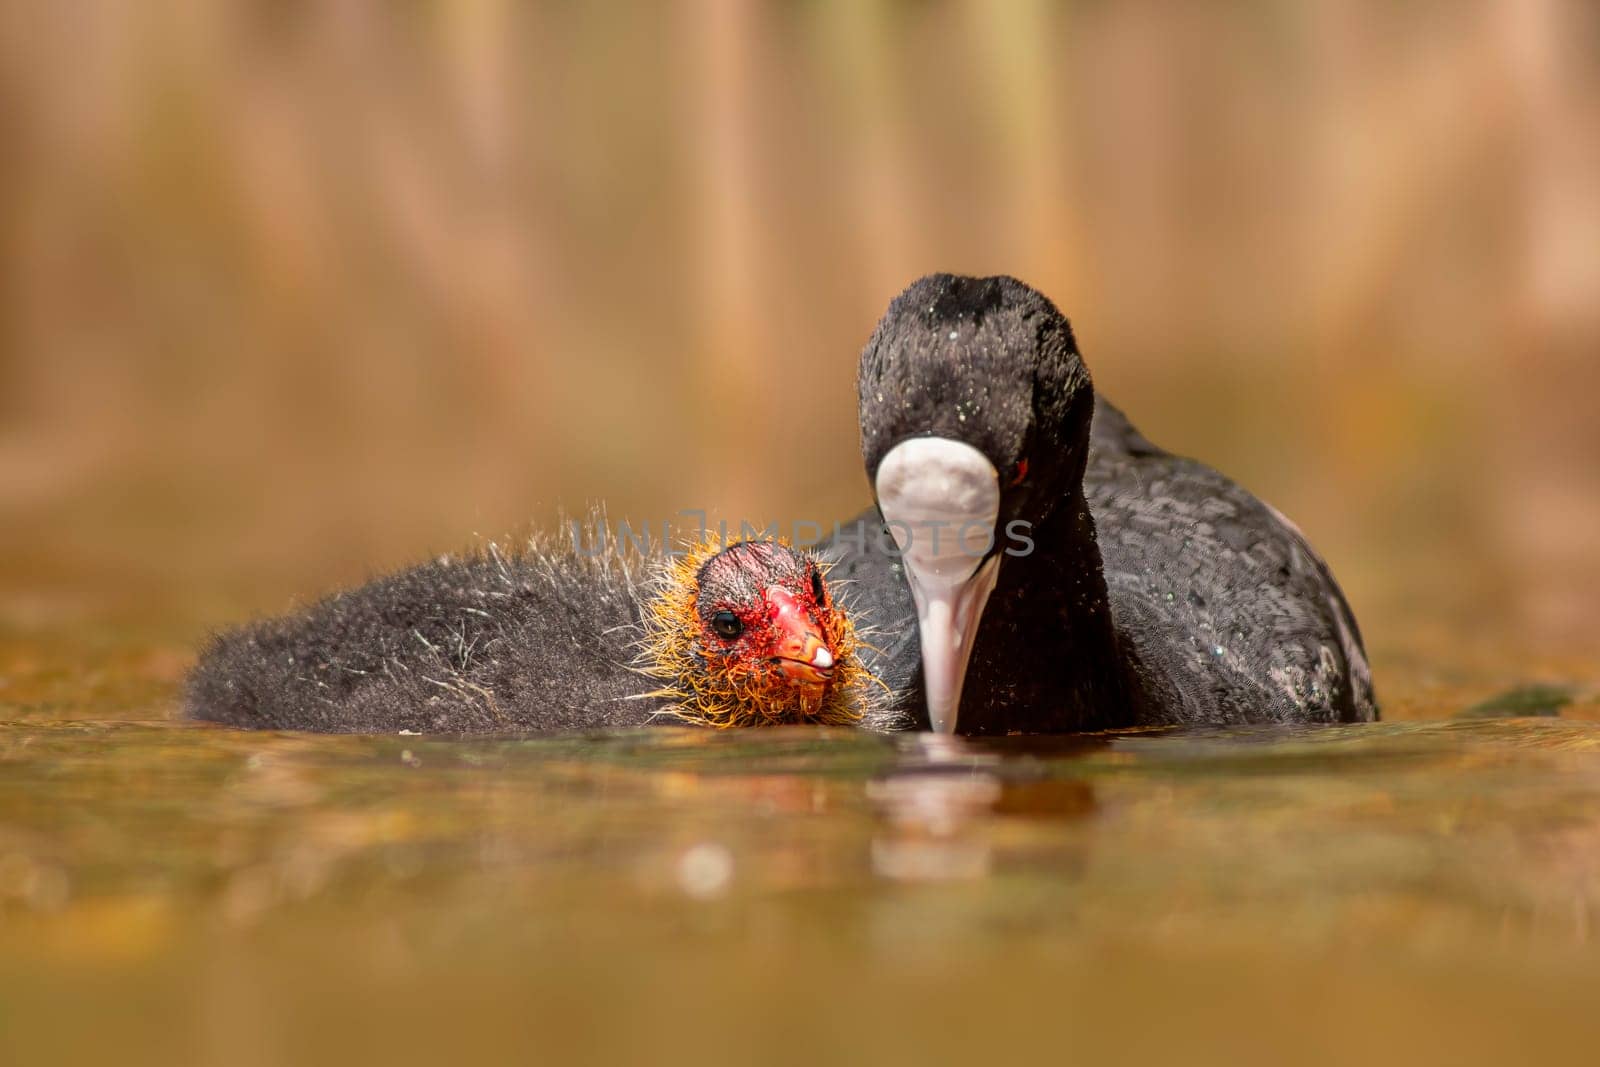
459 645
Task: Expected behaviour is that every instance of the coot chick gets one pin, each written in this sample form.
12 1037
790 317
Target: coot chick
1085 578
546 639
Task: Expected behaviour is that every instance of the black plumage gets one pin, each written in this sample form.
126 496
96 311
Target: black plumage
1157 591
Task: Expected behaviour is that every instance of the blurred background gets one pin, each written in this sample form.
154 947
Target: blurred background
290 293
295 292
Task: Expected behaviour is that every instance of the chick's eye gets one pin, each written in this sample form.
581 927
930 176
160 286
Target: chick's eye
727 624
816 586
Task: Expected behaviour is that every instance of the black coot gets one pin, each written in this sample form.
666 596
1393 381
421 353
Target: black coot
544 639
1060 572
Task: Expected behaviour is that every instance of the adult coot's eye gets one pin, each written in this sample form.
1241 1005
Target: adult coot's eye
727 624
816 585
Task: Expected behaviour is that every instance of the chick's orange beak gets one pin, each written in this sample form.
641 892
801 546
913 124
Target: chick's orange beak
803 655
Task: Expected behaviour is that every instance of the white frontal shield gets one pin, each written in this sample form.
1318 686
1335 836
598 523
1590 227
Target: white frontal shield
941 500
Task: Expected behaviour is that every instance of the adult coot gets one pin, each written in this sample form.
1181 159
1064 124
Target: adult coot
1059 572
748 634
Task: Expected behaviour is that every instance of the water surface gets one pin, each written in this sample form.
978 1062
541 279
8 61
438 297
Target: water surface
1421 889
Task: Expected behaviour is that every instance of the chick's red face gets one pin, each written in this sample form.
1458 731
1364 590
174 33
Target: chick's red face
765 614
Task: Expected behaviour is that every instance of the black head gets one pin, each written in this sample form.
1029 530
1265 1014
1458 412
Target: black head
975 413
989 362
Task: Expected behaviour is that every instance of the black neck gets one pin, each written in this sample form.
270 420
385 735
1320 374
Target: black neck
1046 658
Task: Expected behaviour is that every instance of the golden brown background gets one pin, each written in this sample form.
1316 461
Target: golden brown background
292 292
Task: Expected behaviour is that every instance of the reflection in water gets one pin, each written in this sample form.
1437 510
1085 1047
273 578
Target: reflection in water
934 831
938 803
1486 824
